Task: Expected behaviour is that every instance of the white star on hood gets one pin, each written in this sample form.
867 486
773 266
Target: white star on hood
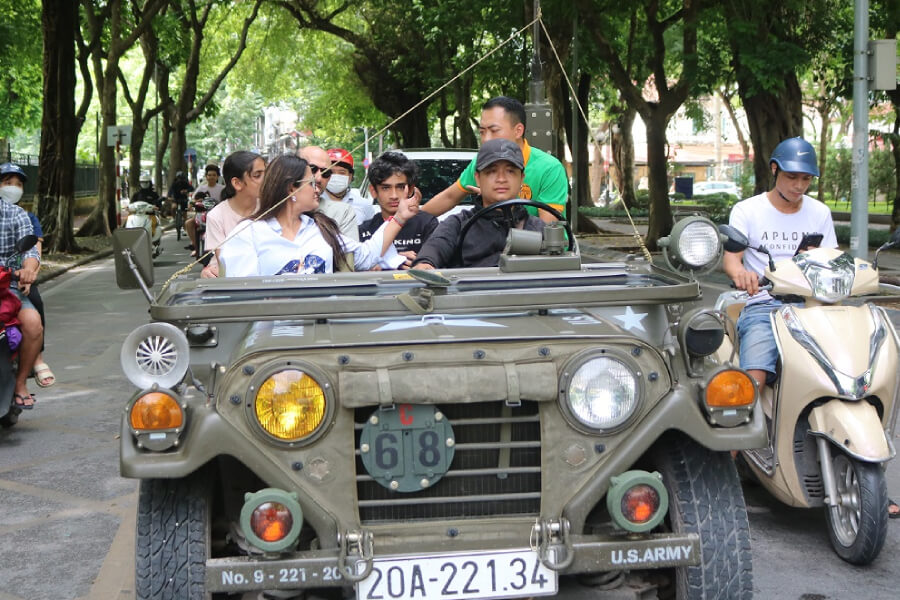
631 319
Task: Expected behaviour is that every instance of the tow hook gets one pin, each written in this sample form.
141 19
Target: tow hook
357 545
550 539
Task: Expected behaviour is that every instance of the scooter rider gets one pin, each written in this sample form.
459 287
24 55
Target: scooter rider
776 220
147 193
14 225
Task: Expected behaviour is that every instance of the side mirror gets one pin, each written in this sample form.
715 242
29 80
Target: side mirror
735 241
133 252
891 243
26 243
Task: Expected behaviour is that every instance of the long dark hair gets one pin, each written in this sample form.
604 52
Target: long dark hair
278 183
237 164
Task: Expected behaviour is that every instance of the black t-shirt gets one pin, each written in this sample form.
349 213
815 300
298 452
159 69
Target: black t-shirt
411 237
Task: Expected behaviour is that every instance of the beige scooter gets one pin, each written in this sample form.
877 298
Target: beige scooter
832 411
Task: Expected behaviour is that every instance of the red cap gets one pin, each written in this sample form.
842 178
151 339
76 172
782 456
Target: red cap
339 155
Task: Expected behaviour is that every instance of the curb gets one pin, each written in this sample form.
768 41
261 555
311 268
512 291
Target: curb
53 272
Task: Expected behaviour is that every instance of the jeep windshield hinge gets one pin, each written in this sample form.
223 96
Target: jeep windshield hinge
355 546
550 539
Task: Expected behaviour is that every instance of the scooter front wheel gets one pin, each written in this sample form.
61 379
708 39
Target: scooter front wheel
857 524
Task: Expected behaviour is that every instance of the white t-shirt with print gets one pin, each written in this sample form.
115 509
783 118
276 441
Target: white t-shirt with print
780 233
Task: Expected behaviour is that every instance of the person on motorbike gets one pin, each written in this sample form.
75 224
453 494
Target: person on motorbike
212 189
393 176
179 190
499 172
147 193
545 177
12 184
338 188
339 212
288 234
243 173
775 220
14 225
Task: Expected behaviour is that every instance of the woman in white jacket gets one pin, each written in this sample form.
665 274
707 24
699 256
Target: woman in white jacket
288 235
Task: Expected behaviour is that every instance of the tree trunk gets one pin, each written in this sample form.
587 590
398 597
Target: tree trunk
660 211
771 118
56 173
623 156
160 155
102 219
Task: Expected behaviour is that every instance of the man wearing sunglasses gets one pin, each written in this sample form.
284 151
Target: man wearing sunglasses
339 212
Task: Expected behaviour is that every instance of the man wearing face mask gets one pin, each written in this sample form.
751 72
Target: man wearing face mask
338 188
14 225
339 212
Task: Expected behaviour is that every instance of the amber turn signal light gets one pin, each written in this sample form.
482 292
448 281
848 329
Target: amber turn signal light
730 389
156 411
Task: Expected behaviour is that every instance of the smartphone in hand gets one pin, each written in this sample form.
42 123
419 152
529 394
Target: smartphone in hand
809 240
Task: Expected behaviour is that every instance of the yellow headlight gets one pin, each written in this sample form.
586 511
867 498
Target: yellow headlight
730 389
290 405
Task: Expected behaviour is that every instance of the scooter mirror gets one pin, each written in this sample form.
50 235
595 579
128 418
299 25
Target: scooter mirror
26 243
735 241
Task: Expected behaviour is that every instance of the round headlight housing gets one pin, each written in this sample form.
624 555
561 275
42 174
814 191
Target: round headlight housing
698 244
695 245
602 393
290 405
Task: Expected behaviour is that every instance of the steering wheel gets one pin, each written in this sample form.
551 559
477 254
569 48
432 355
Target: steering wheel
506 207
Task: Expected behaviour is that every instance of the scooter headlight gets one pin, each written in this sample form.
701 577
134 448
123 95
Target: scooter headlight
830 282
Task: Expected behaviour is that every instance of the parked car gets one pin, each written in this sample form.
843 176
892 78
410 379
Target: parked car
706 188
438 168
496 432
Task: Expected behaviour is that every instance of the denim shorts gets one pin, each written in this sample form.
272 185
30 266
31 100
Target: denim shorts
757 340
26 303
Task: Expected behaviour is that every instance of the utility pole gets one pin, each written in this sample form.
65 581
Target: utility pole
859 166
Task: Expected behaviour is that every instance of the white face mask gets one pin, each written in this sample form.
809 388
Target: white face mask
338 184
11 193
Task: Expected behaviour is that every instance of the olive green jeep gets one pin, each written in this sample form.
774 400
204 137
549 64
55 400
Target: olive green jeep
539 428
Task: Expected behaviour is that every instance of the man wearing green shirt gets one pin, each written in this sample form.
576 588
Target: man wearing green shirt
545 178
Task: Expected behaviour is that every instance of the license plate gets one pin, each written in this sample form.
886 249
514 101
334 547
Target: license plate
508 574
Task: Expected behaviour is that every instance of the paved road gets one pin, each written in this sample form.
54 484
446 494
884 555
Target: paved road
67 527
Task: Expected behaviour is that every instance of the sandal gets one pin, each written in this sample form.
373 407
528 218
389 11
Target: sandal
19 400
43 376
893 509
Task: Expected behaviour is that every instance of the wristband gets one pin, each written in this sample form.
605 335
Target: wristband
400 222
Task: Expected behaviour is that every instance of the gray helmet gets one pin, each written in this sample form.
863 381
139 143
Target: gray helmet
796 155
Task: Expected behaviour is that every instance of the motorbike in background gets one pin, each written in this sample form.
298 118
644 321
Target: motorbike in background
203 203
145 215
832 411
9 412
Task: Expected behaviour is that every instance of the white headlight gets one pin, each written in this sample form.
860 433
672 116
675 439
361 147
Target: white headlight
603 393
830 282
698 243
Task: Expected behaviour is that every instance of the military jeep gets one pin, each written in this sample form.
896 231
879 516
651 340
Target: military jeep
539 428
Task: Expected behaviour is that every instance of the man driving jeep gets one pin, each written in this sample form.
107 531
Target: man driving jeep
499 171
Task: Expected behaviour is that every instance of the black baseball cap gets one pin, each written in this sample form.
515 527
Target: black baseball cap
499 149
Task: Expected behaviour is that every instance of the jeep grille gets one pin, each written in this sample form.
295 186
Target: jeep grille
496 470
